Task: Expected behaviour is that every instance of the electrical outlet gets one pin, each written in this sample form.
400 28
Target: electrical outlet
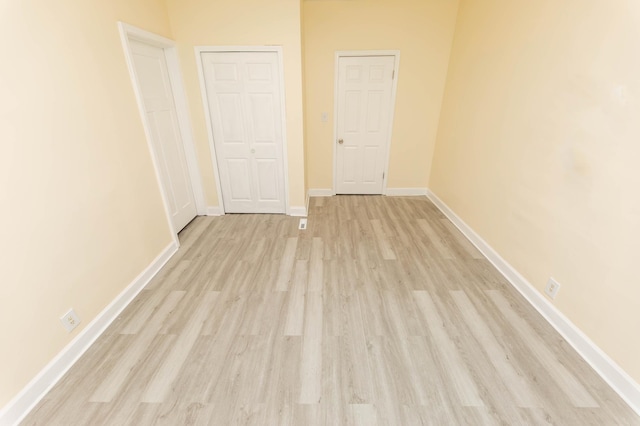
303 224
70 320
552 288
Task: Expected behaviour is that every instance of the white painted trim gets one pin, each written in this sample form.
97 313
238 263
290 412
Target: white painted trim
128 33
285 143
36 389
244 48
199 50
623 384
145 36
321 192
394 91
207 117
215 211
405 192
184 121
298 211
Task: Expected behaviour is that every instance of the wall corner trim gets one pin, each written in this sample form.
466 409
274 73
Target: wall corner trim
15 411
619 380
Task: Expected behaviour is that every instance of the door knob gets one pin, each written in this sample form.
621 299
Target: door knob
340 141
253 151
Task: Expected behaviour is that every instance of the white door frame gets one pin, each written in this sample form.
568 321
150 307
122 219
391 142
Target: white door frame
130 33
199 50
394 88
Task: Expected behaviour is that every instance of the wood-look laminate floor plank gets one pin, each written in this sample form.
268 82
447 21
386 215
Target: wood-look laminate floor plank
379 313
447 353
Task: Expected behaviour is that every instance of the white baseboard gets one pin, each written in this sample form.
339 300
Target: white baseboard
298 211
392 192
24 402
321 193
293 211
214 211
623 384
405 192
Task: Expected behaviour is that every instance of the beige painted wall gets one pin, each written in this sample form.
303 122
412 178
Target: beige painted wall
536 148
237 23
538 152
423 31
81 209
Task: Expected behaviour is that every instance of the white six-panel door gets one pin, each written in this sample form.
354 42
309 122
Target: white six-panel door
153 81
364 110
244 97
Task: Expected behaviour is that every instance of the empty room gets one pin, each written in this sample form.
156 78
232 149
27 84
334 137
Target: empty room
320 212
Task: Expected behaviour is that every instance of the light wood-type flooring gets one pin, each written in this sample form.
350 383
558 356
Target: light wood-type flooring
381 312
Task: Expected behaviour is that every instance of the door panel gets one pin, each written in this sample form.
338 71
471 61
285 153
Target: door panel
369 164
244 97
374 109
266 170
262 118
363 120
230 107
350 154
152 77
238 169
352 112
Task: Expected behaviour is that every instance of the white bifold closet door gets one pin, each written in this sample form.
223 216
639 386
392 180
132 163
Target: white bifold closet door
245 102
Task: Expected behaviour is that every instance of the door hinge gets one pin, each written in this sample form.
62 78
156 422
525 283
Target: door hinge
382 175
393 74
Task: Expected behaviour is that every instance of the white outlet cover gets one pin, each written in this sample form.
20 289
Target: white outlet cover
70 320
552 288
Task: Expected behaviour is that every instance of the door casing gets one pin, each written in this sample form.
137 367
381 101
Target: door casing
203 92
350 53
130 32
